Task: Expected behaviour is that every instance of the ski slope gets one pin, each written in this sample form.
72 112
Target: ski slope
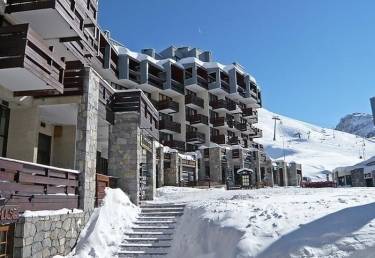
317 149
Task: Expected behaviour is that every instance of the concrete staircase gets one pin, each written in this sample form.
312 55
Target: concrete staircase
153 232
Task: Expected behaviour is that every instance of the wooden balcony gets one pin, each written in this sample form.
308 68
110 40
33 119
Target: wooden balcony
178 145
69 21
194 101
241 126
222 104
218 121
169 126
27 65
167 106
255 132
195 137
30 186
218 139
198 119
234 140
249 112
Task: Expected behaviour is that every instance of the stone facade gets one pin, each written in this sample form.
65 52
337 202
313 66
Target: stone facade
43 237
358 179
86 141
172 175
125 153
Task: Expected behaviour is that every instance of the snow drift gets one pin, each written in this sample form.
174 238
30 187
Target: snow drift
103 233
317 149
286 222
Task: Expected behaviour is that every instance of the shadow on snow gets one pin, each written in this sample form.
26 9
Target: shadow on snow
325 230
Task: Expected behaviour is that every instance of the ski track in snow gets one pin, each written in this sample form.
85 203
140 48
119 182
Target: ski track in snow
325 149
274 222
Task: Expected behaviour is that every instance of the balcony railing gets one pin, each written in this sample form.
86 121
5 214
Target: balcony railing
197 101
69 16
169 126
198 119
177 86
225 86
234 140
202 81
217 104
155 81
255 132
218 121
246 112
22 48
241 126
218 139
195 137
168 105
30 186
178 145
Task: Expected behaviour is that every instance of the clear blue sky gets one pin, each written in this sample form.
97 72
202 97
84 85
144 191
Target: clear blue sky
314 60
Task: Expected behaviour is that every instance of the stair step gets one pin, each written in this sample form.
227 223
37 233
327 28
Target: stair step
160 235
159 213
143 253
147 210
155 222
162 205
152 227
153 218
147 239
144 247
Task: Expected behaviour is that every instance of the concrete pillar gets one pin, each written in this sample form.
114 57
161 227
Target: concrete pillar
23 132
86 142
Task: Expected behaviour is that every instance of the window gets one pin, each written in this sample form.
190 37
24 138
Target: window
4 123
235 153
245 180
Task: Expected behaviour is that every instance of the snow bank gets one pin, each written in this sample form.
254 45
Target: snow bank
49 212
103 233
274 222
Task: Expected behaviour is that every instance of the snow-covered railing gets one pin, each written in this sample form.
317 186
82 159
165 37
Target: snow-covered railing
31 186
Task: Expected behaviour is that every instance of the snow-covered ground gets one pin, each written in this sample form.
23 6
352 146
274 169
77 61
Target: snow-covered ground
103 233
274 222
317 149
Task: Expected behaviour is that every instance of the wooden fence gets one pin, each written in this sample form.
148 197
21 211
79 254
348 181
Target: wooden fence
103 181
34 187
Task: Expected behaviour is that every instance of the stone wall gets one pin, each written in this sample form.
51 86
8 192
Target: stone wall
46 236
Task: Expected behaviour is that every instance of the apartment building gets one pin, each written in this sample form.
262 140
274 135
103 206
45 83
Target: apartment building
202 104
77 107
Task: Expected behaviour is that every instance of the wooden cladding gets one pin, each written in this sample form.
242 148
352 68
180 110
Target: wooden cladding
20 47
35 187
103 181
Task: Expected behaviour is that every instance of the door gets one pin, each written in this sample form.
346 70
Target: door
4 123
6 241
44 149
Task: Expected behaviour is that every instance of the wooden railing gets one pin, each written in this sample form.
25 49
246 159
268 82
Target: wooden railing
34 187
21 47
103 181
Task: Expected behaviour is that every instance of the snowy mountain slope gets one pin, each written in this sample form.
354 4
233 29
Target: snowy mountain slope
357 123
317 149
